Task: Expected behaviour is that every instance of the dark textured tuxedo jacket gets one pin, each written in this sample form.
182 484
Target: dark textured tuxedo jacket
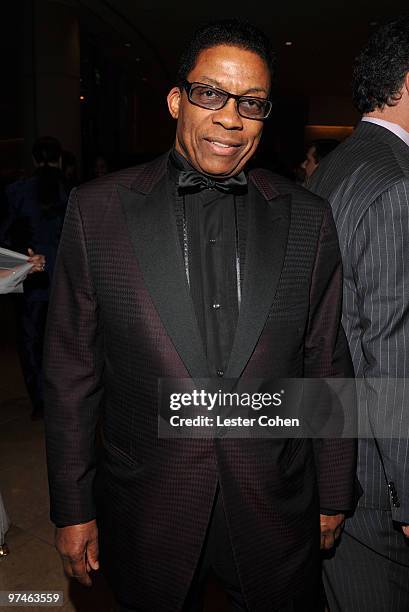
366 180
121 317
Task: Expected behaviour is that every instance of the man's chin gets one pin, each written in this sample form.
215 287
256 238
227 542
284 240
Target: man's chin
220 170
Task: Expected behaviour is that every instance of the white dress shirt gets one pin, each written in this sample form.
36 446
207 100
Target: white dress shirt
392 127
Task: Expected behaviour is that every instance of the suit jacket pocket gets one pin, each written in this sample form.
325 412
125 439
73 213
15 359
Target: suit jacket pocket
118 462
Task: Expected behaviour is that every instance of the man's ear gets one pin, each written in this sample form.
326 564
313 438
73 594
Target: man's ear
174 97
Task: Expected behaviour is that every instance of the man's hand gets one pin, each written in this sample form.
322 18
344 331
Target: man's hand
38 261
78 547
405 529
331 527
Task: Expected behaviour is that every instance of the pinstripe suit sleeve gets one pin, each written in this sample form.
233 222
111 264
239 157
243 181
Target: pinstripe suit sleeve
381 270
73 364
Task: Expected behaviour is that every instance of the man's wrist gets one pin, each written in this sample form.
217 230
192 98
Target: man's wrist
75 524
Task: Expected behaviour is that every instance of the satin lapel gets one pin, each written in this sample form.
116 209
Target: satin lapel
266 246
152 229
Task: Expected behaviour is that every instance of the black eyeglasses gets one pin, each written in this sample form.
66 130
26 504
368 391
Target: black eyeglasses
207 96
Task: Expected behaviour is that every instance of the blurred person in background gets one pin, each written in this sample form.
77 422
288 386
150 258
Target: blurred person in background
100 167
34 218
6 286
11 280
4 526
317 150
69 170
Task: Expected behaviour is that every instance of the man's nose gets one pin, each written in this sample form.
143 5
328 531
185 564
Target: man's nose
228 116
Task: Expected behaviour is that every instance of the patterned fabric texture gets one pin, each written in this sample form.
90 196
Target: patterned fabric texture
120 318
366 181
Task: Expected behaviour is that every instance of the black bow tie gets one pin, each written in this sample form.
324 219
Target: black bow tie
191 181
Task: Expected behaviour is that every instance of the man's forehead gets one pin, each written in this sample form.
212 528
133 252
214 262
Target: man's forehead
203 78
226 65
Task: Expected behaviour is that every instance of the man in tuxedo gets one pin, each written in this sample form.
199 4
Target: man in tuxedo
366 180
187 267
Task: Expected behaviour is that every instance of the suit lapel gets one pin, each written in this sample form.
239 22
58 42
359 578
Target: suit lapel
266 246
152 229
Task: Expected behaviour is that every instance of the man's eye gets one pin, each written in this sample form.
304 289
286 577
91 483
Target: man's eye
253 104
209 93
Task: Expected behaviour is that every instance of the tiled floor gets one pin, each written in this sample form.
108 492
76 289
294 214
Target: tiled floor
34 563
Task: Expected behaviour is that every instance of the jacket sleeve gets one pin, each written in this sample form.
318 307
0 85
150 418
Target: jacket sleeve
327 355
73 368
379 254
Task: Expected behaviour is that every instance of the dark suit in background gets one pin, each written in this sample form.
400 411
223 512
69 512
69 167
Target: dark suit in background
366 181
28 225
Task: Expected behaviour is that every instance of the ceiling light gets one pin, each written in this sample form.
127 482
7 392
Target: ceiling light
288 43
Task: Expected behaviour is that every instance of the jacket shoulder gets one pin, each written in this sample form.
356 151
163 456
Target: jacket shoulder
139 178
273 185
374 162
375 155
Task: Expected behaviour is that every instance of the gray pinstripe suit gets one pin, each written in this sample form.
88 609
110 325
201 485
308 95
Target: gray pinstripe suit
366 180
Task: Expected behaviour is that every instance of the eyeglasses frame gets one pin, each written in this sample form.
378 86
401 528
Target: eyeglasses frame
187 86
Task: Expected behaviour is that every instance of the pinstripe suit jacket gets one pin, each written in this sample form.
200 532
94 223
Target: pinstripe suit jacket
366 180
121 317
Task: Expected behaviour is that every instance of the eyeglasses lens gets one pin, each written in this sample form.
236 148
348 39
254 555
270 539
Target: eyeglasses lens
207 97
214 99
253 109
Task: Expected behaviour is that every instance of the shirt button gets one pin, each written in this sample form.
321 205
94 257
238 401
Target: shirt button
220 373
216 306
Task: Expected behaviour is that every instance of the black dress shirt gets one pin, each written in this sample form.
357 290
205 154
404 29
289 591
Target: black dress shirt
208 228
212 232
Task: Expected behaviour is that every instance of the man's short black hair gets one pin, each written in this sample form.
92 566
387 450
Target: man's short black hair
47 150
233 32
381 67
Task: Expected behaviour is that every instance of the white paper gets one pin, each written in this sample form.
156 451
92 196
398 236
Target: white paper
10 259
15 262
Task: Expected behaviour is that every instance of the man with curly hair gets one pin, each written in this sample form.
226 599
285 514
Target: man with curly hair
366 180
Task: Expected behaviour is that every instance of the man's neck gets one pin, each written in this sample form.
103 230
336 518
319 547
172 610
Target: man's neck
393 114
